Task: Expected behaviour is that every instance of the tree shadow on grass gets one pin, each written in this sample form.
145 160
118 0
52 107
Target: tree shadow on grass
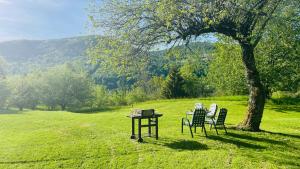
285 109
248 137
186 145
282 134
261 139
238 143
4 111
179 144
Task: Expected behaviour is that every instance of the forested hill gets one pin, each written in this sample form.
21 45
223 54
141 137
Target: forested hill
24 55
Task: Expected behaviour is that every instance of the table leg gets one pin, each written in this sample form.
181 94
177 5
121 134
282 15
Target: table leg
132 129
156 128
149 127
140 132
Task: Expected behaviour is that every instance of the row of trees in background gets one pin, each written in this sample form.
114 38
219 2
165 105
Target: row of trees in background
70 87
59 86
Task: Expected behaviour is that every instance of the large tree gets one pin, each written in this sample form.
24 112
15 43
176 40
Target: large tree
66 86
277 57
278 53
148 23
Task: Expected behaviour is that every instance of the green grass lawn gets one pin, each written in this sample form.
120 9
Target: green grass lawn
41 139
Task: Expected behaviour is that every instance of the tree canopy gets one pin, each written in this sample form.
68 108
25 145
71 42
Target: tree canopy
148 23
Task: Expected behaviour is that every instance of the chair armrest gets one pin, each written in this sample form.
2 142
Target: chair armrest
186 119
188 114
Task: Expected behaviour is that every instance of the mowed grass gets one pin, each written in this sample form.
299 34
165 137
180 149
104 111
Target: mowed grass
41 139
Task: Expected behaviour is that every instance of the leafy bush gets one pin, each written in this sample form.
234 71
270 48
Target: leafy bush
285 97
101 97
118 97
153 87
137 95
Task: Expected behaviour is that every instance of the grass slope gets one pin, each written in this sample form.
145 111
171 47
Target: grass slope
35 139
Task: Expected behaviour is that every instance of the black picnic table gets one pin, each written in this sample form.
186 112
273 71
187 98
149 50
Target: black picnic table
151 122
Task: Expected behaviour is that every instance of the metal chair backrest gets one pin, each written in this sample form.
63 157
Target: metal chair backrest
212 110
198 117
222 116
199 106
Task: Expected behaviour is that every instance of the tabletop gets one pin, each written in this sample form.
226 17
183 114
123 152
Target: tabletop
137 116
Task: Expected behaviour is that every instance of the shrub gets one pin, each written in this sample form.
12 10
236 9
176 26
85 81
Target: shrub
101 97
118 98
136 95
284 97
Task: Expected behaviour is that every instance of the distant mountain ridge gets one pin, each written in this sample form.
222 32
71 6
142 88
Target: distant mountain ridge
32 49
25 55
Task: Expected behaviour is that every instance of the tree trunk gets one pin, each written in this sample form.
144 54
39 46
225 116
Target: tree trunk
257 97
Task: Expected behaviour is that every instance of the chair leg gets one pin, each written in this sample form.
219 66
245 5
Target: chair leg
191 131
225 128
216 127
203 127
195 129
210 126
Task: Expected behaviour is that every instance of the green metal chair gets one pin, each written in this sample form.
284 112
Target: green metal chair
220 120
197 120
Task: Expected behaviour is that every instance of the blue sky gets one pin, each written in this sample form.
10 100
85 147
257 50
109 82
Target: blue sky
42 19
